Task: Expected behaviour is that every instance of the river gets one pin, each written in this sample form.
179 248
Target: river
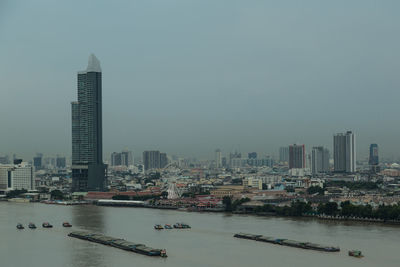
210 242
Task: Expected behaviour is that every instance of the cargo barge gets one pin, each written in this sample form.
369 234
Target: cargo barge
118 243
287 242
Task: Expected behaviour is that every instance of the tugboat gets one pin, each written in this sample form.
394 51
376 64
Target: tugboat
32 225
66 224
167 226
20 226
158 227
47 225
163 253
356 253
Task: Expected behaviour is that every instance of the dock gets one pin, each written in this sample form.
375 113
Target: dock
118 243
287 242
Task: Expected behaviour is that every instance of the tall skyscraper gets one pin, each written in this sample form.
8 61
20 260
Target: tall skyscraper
284 154
344 152
297 157
88 169
319 160
373 154
218 158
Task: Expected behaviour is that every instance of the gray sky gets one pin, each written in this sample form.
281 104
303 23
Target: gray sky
187 77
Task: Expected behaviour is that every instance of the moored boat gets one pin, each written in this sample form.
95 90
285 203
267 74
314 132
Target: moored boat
20 226
181 226
66 224
32 225
47 225
158 227
167 226
355 253
185 226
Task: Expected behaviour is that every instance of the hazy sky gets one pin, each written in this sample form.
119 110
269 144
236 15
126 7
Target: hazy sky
187 77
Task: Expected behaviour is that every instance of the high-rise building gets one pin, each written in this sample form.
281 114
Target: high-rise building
163 160
151 160
121 159
116 159
373 154
319 160
88 169
218 158
297 157
16 177
284 154
126 158
234 156
37 161
61 162
344 152
252 155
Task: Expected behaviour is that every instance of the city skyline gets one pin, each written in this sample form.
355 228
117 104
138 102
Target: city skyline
159 132
251 97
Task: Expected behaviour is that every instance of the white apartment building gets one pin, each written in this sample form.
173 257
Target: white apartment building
18 176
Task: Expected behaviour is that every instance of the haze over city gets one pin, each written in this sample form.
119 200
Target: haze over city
190 77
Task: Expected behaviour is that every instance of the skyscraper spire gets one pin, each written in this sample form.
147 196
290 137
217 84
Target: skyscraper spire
93 64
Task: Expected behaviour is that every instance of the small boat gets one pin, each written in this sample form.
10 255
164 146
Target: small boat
167 226
66 224
20 226
181 226
158 227
355 253
47 225
163 253
32 225
185 226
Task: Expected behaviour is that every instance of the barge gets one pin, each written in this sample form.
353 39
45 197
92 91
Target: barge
287 242
118 243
